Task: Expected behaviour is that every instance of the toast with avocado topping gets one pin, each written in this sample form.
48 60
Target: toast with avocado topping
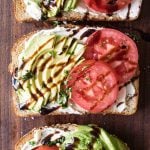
67 71
76 10
70 136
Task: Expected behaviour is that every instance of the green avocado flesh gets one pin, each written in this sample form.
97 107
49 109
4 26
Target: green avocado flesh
51 8
43 66
91 138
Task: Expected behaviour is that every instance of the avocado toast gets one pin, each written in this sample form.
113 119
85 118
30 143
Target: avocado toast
40 71
76 10
70 136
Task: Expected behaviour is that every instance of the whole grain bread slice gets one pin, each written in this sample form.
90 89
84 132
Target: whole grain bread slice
30 135
22 16
19 46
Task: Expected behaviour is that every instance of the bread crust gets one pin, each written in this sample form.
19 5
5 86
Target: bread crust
18 47
24 139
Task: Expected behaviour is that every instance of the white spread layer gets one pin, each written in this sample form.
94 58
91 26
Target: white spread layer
125 92
40 134
121 102
33 9
35 12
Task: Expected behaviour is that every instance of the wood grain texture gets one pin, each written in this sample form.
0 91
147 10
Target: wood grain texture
135 130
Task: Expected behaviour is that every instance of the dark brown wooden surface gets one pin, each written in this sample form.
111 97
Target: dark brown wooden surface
135 130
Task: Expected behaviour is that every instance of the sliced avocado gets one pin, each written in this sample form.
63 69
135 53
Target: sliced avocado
111 143
53 93
36 58
37 82
119 144
37 107
97 145
54 10
36 39
62 3
72 48
87 138
66 48
68 43
107 142
84 128
69 5
60 43
82 139
73 5
79 50
47 98
32 105
58 3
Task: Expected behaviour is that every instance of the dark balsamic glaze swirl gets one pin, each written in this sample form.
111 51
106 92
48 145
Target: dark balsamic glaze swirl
45 111
87 33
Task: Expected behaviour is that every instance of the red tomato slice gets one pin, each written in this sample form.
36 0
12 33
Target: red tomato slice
94 85
79 71
115 48
107 6
44 147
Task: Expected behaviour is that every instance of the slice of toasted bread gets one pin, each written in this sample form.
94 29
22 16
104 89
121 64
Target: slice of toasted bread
116 108
81 12
37 135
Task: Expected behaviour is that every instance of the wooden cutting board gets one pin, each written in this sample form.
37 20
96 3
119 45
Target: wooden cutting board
134 130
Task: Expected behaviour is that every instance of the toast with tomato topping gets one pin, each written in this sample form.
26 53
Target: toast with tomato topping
77 10
69 136
75 70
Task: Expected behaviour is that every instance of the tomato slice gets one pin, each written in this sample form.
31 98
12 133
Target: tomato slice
94 85
115 48
44 147
79 71
107 6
